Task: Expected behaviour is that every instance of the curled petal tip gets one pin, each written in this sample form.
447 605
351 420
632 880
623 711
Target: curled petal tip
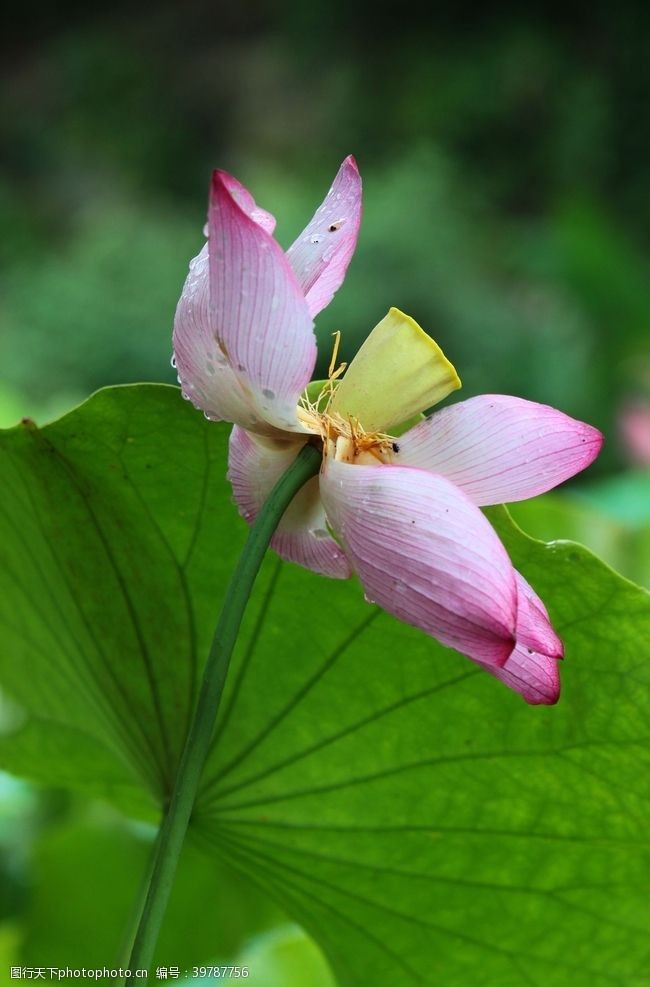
226 185
219 179
532 668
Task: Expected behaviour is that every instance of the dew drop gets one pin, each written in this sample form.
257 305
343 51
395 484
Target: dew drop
268 393
316 238
173 361
320 533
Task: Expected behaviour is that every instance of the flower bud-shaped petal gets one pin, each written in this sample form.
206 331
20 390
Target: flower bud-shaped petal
426 554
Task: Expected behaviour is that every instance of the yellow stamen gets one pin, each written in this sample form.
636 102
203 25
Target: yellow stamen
344 438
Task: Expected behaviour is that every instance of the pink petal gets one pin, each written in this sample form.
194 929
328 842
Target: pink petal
500 449
243 343
534 628
204 374
321 254
426 554
532 669
255 464
257 309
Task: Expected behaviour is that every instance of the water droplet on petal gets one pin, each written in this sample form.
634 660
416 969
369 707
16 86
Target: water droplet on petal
173 361
316 238
268 393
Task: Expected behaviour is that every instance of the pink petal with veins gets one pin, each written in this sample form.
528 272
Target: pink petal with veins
532 669
426 554
255 464
257 309
243 338
321 254
204 374
500 449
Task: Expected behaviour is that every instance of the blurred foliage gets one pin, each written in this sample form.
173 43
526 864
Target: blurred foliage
80 870
612 516
504 158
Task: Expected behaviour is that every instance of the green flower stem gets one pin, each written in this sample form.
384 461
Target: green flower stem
174 825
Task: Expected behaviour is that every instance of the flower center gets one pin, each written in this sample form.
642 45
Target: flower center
344 439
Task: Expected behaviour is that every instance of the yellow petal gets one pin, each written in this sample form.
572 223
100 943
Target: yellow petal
398 372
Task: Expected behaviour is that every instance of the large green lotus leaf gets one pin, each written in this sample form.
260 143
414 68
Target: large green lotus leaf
622 539
419 820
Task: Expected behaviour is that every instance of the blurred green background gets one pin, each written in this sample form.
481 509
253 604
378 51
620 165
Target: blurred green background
505 160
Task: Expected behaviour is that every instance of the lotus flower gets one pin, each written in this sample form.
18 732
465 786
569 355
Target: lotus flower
399 505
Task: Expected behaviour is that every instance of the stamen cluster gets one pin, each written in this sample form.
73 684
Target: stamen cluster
344 439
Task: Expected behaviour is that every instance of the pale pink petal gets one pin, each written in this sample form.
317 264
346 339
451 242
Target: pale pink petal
204 373
426 554
532 669
257 317
321 254
500 449
255 464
